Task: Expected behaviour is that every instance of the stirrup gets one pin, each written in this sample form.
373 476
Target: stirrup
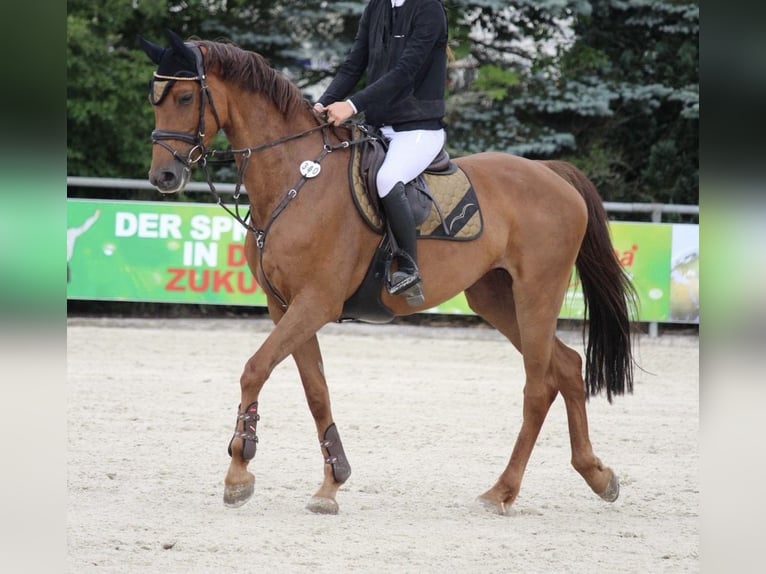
409 285
402 281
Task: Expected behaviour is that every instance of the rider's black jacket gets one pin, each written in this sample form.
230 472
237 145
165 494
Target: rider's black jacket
403 52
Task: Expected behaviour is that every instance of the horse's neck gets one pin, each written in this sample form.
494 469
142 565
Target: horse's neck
255 121
271 171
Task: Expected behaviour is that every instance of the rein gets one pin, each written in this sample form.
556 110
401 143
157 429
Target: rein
200 154
308 170
246 153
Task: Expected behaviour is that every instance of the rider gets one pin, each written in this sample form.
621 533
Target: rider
402 47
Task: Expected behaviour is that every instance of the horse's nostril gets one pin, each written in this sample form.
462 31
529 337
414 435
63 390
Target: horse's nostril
164 180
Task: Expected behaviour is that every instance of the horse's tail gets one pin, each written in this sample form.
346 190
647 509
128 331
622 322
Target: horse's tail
610 298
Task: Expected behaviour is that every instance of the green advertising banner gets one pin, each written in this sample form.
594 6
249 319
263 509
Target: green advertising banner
643 249
157 252
662 261
192 253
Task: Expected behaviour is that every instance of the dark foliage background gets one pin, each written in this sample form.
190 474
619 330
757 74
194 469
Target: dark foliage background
610 85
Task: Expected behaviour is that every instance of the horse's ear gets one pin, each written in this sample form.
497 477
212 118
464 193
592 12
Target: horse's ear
180 47
152 50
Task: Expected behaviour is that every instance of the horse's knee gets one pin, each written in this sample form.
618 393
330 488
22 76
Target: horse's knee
253 376
539 393
538 399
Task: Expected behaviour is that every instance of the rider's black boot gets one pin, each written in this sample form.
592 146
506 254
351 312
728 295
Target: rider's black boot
402 224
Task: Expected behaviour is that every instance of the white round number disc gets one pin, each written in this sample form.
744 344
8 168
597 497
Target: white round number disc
310 169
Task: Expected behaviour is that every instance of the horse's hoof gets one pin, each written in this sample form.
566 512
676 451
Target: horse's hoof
235 495
612 490
493 507
321 505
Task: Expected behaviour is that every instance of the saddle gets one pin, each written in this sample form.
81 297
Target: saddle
431 196
444 205
372 153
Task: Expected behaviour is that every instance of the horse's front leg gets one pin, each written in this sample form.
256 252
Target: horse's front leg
308 358
293 329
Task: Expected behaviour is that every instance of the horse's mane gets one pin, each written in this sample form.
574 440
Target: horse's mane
251 71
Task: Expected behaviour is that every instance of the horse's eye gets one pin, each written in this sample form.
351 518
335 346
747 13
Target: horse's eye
186 99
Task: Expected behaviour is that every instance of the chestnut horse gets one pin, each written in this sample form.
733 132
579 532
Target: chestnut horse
310 249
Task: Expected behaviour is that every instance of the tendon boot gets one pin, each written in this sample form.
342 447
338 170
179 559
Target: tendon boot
406 279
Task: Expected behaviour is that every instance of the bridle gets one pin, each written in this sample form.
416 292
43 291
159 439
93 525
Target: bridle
201 154
198 151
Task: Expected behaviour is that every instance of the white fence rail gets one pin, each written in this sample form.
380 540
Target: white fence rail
657 210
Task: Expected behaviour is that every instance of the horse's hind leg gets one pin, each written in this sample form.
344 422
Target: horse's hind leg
566 367
308 358
492 298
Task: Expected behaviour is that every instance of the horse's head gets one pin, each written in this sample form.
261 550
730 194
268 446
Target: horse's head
183 107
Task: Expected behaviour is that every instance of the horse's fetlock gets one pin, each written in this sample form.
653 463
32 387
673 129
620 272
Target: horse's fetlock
584 463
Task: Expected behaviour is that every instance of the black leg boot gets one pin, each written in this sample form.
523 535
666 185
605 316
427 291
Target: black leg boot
399 215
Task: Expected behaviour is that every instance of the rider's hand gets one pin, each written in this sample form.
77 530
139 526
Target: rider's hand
338 112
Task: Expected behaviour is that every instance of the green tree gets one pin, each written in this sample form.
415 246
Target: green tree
611 85
108 117
108 121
